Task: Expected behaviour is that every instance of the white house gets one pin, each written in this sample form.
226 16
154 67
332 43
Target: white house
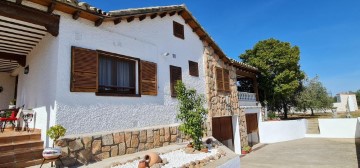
346 102
108 78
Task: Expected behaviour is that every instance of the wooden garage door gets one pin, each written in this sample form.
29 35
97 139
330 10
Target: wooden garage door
222 128
251 123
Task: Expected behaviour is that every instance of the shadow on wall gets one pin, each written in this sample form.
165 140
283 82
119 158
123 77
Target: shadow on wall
357 142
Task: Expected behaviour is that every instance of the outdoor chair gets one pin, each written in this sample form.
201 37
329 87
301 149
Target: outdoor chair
14 117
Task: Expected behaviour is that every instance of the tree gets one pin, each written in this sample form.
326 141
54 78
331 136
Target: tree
314 96
357 93
191 112
280 75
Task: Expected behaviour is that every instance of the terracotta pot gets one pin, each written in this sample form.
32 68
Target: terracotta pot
142 164
152 158
51 153
206 150
243 152
190 145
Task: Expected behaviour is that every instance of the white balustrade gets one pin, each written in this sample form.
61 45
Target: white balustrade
245 96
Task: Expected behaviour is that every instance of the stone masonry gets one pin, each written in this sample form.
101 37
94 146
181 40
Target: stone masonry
217 100
86 149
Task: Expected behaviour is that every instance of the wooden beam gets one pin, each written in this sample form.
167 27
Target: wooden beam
117 21
172 13
153 15
142 17
99 22
245 73
187 20
51 7
19 1
130 19
163 14
180 12
76 14
31 15
21 59
196 29
202 37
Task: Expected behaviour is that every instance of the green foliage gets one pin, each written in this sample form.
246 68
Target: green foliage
314 96
357 93
280 75
192 113
271 115
55 132
246 148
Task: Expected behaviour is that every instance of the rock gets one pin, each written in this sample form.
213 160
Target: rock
167 134
119 138
61 143
149 135
162 132
211 157
157 139
189 150
197 161
165 161
149 146
134 141
102 156
143 136
173 138
105 149
156 165
130 150
87 142
166 143
192 163
141 147
173 130
85 156
64 151
97 137
67 161
122 149
217 156
96 147
107 139
75 145
128 139
162 139
114 150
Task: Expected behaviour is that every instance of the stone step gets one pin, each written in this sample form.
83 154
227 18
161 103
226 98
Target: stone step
8 147
313 126
19 138
22 164
21 155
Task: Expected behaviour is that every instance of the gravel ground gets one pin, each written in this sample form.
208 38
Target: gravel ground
175 158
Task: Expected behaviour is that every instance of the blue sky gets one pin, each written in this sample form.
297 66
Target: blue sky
327 31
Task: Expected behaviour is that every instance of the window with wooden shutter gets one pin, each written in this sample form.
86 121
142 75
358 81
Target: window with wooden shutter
219 79
148 76
226 80
193 68
84 70
175 75
178 30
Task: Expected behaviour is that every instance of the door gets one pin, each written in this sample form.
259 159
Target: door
223 131
252 128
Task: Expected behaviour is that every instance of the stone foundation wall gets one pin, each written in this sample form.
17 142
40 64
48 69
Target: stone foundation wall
86 149
217 100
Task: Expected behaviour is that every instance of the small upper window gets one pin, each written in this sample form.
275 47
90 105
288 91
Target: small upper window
193 68
178 30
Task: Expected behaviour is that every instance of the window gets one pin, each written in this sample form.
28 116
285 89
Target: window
193 68
116 75
175 75
109 74
222 79
178 30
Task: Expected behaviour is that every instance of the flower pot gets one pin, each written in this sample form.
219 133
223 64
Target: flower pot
142 164
51 153
244 152
152 158
205 150
190 145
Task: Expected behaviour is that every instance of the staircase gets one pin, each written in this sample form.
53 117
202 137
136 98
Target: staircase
20 149
313 126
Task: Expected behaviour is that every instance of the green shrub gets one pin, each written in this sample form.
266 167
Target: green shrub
191 112
55 132
271 115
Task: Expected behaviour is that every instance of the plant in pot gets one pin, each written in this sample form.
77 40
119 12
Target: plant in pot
191 113
12 104
55 132
246 149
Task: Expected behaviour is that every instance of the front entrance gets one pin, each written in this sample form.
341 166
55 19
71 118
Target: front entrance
252 128
222 130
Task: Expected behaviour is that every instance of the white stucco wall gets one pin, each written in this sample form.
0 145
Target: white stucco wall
279 131
147 40
342 102
339 128
8 84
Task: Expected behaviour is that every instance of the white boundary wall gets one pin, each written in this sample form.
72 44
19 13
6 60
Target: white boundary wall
279 131
338 128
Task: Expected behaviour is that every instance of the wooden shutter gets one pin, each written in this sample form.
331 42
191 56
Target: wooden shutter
84 70
175 75
193 68
178 30
226 80
219 79
148 78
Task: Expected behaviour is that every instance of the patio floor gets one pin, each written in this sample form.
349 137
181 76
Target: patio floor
307 152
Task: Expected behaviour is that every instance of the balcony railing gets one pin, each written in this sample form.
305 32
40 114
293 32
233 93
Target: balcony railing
245 96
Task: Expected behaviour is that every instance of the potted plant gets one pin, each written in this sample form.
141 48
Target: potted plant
246 149
209 143
12 104
55 132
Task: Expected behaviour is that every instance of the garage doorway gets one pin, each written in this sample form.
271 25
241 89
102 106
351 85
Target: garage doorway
222 130
252 128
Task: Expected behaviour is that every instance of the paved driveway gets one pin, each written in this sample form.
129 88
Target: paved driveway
307 152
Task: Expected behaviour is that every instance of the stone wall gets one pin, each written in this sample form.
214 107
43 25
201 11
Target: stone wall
217 100
86 149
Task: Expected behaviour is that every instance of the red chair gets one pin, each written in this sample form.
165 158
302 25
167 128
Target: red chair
3 121
15 115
